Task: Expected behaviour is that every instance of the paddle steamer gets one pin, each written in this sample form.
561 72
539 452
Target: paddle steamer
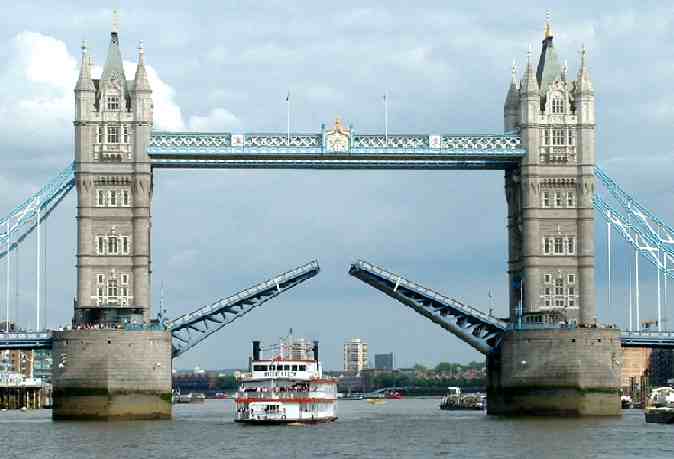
287 388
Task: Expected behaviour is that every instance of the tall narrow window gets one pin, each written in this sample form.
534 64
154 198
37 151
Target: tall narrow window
113 103
546 136
546 199
125 197
125 134
112 245
100 245
558 199
113 134
559 246
100 278
571 137
99 296
125 245
125 279
100 134
112 289
558 136
570 199
547 278
557 105
571 245
101 198
547 246
112 198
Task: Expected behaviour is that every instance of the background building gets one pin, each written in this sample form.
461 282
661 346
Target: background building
355 355
384 361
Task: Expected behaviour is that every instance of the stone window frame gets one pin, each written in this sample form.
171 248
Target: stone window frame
570 199
558 136
571 278
547 278
557 104
101 198
559 245
545 200
113 102
113 134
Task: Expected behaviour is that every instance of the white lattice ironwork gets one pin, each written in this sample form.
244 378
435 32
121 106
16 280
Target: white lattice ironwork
162 140
473 142
391 141
283 140
186 143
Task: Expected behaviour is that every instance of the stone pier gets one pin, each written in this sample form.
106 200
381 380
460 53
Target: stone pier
112 374
559 372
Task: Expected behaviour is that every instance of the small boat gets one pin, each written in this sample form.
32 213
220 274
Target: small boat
455 400
660 406
198 398
626 402
183 398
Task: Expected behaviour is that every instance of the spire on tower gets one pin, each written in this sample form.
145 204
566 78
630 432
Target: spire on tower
548 26
584 83
141 81
529 83
115 21
84 82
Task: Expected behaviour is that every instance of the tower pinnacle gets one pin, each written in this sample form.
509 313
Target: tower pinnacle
115 21
548 26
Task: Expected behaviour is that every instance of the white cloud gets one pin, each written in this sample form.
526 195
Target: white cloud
37 101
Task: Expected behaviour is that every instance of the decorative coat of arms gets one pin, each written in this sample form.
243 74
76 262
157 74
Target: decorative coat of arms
338 138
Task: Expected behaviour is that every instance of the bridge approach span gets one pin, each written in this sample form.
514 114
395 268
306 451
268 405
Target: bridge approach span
482 331
190 329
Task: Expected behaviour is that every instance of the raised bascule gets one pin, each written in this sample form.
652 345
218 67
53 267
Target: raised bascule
550 356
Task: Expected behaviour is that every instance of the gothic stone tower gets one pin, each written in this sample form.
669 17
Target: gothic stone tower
113 121
551 218
555 359
115 371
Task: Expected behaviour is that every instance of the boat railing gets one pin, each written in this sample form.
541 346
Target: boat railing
282 395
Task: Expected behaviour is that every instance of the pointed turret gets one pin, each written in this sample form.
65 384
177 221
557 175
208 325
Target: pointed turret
140 80
512 102
549 69
114 66
529 83
584 83
84 82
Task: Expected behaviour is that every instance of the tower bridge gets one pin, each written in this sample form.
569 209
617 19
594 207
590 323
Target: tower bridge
550 355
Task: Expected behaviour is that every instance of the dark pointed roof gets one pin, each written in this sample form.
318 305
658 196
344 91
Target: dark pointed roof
114 65
549 68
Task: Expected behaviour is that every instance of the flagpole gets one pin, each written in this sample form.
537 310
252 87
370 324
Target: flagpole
386 116
288 103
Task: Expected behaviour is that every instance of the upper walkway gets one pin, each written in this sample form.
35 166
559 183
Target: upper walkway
337 149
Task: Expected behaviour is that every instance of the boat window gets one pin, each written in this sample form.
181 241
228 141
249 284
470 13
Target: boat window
272 367
303 368
259 367
294 368
286 367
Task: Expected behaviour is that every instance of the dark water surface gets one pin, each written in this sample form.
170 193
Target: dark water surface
399 428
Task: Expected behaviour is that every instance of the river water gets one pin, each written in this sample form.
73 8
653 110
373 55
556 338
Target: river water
397 429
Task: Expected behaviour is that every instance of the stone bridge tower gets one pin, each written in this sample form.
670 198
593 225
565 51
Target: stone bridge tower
113 121
550 212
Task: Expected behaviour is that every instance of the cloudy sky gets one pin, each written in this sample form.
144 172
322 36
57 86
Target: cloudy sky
227 66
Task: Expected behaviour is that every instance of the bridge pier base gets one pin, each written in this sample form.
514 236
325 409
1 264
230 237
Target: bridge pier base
112 374
560 372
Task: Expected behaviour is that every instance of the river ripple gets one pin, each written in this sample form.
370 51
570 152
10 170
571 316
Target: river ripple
398 429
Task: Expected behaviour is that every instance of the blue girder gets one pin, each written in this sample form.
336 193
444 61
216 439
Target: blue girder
25 340
21 221
190 329
480 330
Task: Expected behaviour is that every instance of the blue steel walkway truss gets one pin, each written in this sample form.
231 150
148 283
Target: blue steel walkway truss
190 329
481 331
